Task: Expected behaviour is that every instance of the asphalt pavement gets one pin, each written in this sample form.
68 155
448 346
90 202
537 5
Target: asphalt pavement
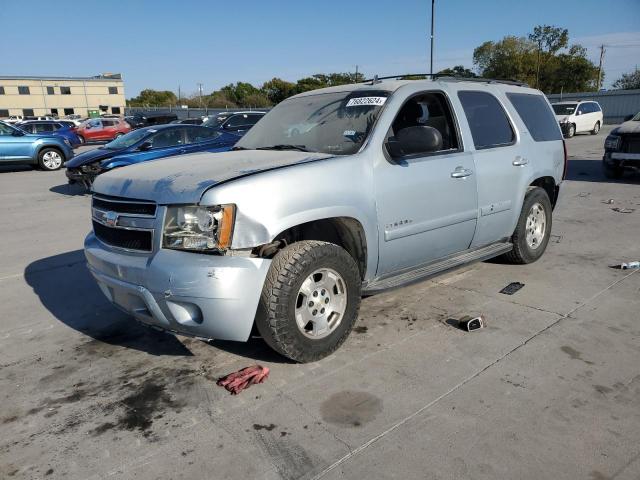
550 389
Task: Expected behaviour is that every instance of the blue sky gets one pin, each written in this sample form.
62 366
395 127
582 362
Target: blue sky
162 44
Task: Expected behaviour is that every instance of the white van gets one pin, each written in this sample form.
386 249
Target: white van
576 117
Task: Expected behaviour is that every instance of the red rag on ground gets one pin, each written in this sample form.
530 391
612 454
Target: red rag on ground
237 381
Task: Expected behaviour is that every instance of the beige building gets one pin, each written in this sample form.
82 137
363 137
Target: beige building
61 96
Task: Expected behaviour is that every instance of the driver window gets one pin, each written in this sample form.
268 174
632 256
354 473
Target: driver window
428 110
168 138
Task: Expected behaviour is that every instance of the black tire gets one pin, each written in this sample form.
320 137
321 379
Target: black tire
522 253
82 140
118 135
571 131
276 312
613 172
45 164
596 129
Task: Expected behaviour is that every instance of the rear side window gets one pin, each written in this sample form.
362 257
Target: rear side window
596 107
536 115
201 134
488 122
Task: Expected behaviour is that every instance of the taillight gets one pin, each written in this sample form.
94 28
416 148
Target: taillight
566 160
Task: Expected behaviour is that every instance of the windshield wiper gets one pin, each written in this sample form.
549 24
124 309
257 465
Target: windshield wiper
285 146
239 148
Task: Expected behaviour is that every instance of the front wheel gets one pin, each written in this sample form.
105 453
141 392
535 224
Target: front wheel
571 131
614 172
50 159
532 233
310 300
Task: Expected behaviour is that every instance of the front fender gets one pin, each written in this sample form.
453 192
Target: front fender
271 202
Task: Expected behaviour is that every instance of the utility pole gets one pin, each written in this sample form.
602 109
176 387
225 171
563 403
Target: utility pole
602 50
433 7
179 96
356 73
200 94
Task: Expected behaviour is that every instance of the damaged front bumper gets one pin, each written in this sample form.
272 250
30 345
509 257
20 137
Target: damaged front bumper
84 175
622 160
206 296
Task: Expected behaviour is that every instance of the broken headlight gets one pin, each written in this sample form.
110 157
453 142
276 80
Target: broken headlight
195 228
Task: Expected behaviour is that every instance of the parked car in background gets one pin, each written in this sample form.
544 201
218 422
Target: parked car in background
13 119
145 144
622 149
48 151
147 119
395 182
238 123
54 127
578 117
189 121
101 129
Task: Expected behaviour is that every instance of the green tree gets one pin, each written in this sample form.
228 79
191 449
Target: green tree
628 81
277 90
457 71
153 98
544 59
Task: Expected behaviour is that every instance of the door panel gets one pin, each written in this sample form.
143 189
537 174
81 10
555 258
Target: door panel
426 213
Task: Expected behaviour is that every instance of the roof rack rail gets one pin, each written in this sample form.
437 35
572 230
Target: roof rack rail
448 78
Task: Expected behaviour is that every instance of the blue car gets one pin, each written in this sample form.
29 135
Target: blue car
146 144
52 127
48 151
237 123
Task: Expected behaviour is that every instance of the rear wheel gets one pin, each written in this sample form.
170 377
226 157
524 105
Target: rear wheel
310 300
596 129
50 159
118 135
82 140
532 233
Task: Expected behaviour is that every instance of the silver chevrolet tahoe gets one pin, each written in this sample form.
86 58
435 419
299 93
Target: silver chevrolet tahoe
335 194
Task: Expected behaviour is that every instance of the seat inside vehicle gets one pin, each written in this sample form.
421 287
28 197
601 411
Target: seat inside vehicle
429 110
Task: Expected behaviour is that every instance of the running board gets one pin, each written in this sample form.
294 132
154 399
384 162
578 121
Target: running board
431 269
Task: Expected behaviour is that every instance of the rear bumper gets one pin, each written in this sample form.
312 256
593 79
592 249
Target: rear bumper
197 295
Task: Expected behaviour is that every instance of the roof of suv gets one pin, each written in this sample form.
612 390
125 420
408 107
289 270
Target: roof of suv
393 85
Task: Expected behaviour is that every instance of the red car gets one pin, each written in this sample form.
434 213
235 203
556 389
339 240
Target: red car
98 129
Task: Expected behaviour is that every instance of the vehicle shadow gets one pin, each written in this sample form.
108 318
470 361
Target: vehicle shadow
591 171
66 288
70 190
16 168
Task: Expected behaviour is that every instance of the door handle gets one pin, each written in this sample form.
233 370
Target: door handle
461 172
519 161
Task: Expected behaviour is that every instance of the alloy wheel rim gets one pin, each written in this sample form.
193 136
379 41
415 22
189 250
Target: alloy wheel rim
321 303
52 160
536 226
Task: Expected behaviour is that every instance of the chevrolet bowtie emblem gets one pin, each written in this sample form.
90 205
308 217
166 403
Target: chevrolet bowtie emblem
110 219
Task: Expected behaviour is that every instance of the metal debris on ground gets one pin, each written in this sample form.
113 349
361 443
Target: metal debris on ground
237 381
625 266
471 323
512 288
608 202
623 210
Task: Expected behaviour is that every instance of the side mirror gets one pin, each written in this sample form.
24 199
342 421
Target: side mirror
144 146
579 112
415 140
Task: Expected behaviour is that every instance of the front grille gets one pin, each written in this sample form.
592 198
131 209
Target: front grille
122 238
630 143
133 207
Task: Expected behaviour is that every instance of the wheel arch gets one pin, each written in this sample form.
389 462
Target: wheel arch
548 184
346 232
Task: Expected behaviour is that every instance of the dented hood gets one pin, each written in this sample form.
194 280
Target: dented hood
184 178
629 127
